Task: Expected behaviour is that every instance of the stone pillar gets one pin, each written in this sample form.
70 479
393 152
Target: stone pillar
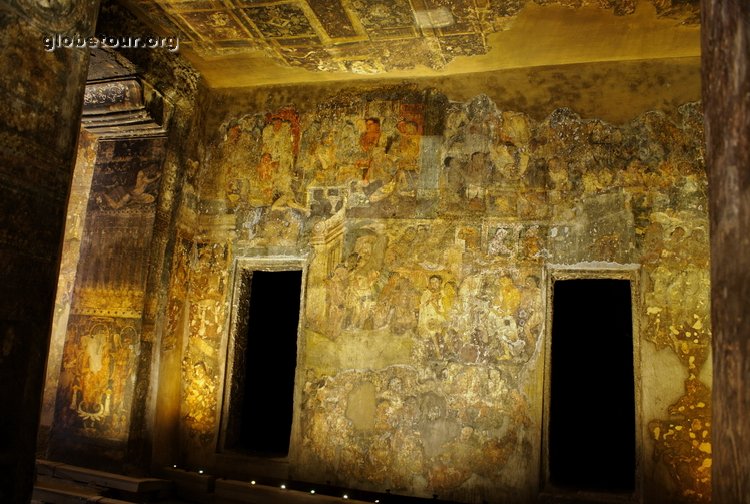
726 100
71 250
40 102
105 362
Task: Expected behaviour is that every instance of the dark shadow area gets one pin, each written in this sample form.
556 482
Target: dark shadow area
271 358
592 404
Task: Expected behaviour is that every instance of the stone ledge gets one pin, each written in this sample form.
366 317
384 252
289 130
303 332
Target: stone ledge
101 478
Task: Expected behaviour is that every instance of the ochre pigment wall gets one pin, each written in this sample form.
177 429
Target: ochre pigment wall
428 227
71 249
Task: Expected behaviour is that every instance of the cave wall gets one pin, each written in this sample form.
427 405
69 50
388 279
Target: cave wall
429 228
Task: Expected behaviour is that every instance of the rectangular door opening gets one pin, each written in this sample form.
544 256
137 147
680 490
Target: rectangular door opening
270 361
592 417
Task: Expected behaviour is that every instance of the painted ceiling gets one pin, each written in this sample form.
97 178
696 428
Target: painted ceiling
373 37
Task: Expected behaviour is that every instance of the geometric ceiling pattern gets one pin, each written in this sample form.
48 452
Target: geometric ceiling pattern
359 36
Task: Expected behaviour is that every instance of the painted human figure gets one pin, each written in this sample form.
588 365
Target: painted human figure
531 317
451 182
362 282
398 305
200 395
137 195
275 170
278 140
408 145
433 310
497 245
476 177
94 374
336 301
368 140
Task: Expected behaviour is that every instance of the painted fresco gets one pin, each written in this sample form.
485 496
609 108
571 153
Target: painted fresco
104 330
178 285
74 222
201 362
428 226
96 382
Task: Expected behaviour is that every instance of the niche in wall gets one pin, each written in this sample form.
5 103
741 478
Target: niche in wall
592 441
262 361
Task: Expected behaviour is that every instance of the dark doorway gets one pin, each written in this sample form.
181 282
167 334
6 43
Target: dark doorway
270 361
592 396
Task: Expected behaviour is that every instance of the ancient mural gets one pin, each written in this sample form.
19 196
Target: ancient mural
428 226
102 341
206 319
74 221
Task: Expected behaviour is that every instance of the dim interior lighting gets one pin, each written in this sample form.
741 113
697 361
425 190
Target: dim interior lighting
283 487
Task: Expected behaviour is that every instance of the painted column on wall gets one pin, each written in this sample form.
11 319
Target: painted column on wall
103 337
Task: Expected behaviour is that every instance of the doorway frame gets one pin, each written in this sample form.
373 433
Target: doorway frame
241 292
598 271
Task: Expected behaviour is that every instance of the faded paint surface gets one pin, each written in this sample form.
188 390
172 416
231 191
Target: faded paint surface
427 225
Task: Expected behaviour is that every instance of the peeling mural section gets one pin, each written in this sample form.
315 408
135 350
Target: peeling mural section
428 226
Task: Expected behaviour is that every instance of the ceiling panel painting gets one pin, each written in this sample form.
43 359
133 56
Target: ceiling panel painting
281 21
334 18
364 36
214 25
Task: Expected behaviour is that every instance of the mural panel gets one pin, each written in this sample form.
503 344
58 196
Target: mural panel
96 382
201 362
103 337
428 226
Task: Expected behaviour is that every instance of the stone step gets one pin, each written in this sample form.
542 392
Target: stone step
49 490
138 488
